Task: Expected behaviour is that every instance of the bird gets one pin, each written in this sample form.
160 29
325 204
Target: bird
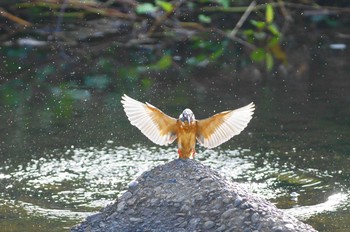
163 130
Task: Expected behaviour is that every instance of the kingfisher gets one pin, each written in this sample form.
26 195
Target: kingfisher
164 130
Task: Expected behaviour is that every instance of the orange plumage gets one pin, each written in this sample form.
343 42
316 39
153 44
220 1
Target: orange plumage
163 129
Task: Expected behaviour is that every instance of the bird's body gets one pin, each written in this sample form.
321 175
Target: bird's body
163 129
186 138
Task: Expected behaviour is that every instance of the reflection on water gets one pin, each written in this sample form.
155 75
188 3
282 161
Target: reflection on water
59 172
334 202
71 184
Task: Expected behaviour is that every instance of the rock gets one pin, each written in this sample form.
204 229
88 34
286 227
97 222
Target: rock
133 184
121 206
127 195
185 195
277 229
94 218
255 217
131 201
221 228
132 219
237 201
208 225
194 223
184 224
227 213
289 227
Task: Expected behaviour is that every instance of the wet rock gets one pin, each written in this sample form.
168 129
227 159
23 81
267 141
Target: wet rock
133 184
185 195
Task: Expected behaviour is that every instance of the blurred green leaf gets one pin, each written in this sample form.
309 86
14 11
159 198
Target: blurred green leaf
128 73
199 60
164 62
202 44
166 6
146 8
146 83
258 24
248 32
250 35
204 18
64 107
273 41
269 13
258 55
9 96
219 51
105 64
224 3
273 29
269 61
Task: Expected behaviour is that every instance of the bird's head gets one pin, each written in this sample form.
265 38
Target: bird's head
187 115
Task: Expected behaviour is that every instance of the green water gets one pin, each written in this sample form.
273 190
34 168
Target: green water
54 174
57 168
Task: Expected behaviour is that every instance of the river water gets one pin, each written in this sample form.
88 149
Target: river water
57 168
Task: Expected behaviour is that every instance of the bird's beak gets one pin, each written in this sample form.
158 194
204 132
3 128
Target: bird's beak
189 119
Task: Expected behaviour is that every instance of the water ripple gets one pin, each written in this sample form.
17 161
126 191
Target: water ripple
78 180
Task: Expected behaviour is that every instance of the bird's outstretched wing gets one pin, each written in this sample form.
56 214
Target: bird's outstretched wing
213 131
157 126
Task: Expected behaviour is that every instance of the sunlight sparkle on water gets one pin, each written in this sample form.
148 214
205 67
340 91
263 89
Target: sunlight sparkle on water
333 202
86 179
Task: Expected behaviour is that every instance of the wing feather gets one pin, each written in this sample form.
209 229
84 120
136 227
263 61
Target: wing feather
153 123
213 131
